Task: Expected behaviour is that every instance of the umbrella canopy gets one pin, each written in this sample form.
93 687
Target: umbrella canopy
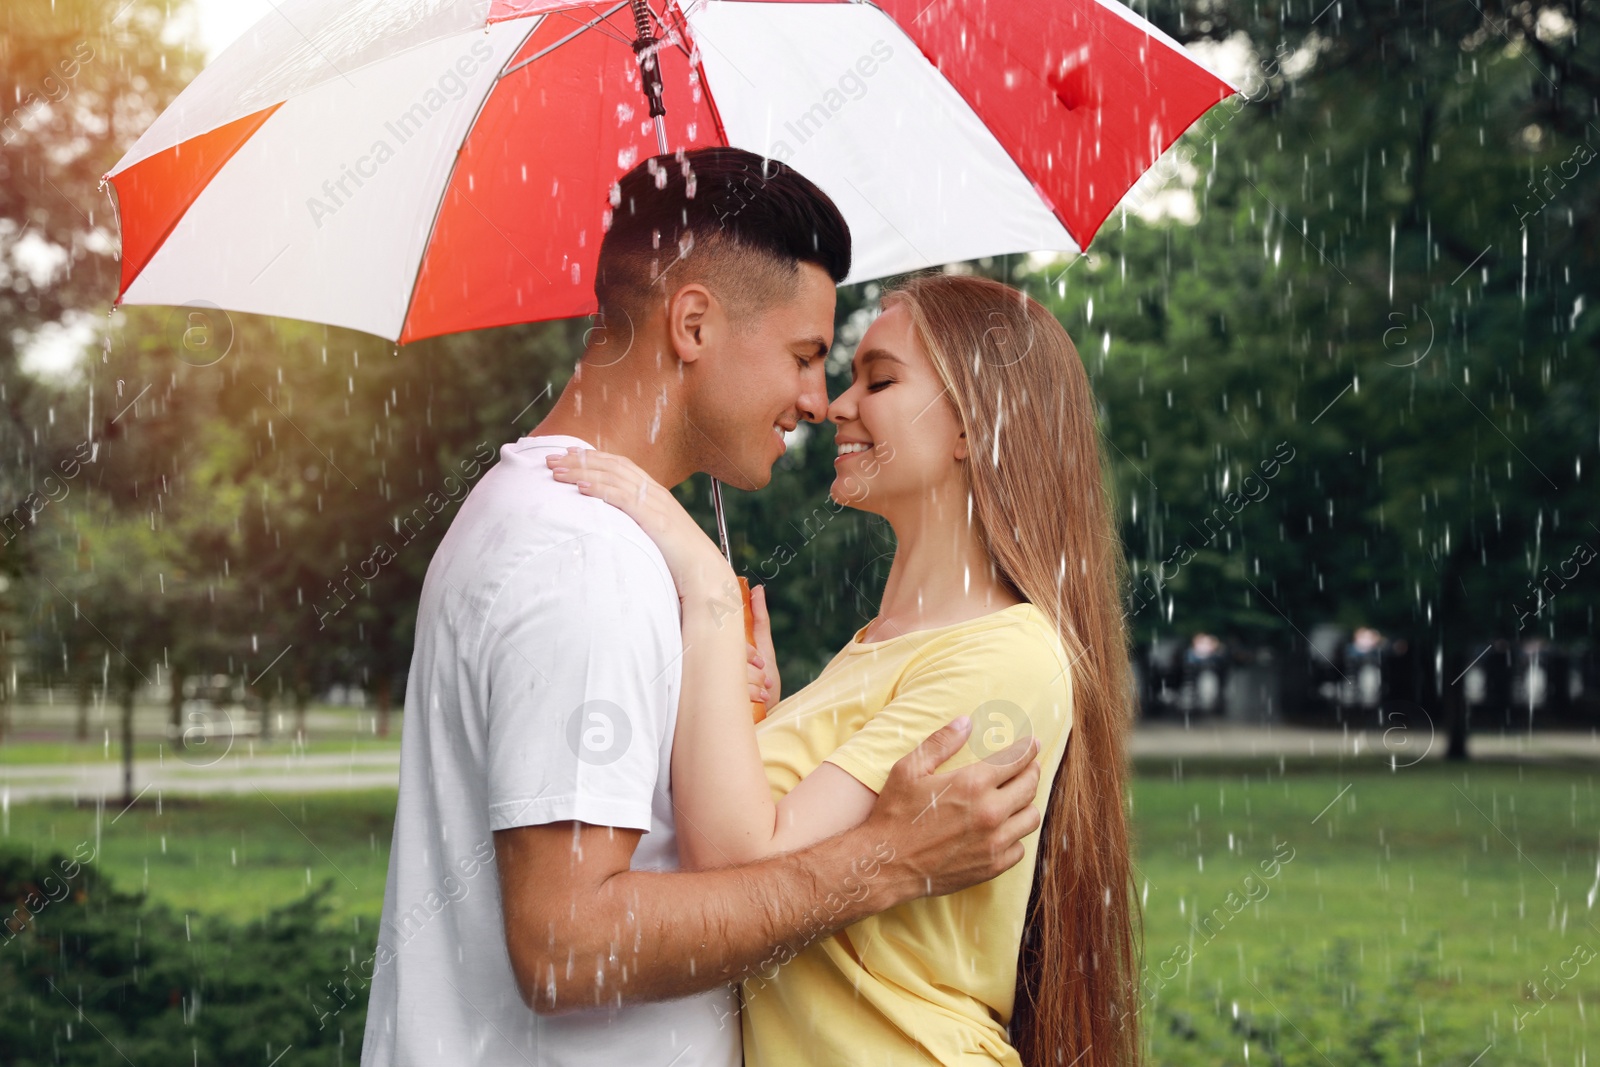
417 167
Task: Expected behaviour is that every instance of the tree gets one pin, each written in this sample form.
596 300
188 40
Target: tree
78 74
1369 281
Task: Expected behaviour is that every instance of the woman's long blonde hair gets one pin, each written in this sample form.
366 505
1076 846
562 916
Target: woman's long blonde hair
1041 500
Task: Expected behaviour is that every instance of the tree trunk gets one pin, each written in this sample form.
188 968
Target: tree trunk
177 707
1455 708
84 691
266 716
127 743
302 697
8 694
384 700
1450 688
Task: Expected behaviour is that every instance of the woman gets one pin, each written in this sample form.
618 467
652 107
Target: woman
969 425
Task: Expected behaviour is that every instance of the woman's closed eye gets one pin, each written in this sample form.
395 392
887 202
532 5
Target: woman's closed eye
875 386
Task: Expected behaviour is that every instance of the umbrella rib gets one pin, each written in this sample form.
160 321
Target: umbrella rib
682 34
591 24
602 24
677 28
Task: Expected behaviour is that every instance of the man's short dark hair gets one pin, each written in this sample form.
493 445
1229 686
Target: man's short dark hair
737 222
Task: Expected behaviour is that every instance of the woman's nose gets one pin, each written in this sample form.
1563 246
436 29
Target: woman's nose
838 411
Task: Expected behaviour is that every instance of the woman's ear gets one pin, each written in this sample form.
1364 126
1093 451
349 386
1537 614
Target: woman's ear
961 446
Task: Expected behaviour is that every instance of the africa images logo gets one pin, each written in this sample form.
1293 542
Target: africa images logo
451 85
850 86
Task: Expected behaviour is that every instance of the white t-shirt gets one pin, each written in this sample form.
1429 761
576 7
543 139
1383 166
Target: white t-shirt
543 688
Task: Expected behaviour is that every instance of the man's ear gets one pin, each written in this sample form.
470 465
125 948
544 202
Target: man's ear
689 321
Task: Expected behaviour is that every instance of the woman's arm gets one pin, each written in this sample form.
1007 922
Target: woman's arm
726 814
725 810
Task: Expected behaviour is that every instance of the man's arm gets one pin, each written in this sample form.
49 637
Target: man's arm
583 930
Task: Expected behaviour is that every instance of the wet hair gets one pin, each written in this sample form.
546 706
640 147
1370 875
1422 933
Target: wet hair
737 222
1005 361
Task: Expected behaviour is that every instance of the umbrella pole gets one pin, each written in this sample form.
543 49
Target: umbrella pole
644 48
722 523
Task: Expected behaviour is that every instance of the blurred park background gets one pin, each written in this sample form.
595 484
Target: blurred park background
1346 348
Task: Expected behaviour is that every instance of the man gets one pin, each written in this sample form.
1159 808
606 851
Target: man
533 912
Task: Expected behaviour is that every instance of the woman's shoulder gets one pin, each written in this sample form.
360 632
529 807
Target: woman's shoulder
1037 634
1020 637
1018 624
1011 673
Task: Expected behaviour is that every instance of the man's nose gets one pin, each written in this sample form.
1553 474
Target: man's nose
813 403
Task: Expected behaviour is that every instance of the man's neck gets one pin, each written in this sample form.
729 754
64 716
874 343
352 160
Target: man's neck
612 419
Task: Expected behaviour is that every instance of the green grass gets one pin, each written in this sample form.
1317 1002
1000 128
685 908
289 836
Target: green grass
238 856
1406 927
1416 909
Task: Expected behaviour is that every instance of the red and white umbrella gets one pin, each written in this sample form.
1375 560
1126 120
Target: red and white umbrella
417 167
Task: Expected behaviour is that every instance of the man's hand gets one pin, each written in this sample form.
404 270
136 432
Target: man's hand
950 831
583 929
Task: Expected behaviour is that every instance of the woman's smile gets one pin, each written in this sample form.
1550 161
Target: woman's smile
852 448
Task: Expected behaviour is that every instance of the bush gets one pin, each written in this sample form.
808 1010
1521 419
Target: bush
1309 1015
91 975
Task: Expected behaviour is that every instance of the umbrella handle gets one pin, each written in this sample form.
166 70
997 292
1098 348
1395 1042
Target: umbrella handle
758 710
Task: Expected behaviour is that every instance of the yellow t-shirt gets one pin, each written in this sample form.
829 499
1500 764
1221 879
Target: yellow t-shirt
930 981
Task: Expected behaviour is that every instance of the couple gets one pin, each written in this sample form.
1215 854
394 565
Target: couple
598 854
